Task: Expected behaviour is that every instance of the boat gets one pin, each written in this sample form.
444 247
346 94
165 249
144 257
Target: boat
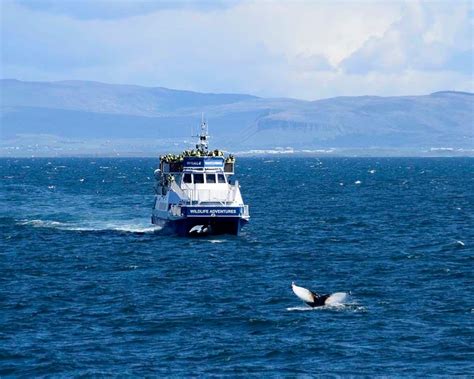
195 193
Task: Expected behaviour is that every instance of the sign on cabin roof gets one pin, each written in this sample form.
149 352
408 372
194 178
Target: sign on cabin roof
214 162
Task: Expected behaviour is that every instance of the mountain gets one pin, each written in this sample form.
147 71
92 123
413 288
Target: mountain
91 111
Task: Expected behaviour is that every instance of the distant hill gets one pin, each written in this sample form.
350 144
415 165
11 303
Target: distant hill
90 110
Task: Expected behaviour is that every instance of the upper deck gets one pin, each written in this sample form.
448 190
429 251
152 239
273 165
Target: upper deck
180 164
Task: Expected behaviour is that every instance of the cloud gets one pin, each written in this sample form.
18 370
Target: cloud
298 49
427 37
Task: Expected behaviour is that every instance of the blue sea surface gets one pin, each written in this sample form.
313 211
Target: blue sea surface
89 287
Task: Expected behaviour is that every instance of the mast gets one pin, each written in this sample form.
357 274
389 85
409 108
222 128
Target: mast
203 136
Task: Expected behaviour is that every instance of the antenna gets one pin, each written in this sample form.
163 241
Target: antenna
203 136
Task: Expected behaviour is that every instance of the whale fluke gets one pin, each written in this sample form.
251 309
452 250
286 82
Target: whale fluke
336 299
303 293
309 297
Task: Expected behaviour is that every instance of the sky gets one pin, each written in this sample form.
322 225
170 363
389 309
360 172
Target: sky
300 49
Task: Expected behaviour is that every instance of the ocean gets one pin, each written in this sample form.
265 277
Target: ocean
89 287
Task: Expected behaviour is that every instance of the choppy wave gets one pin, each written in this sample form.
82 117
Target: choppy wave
181 301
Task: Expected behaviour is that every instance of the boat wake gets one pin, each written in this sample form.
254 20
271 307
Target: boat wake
124 227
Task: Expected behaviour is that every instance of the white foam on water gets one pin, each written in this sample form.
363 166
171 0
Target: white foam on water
460 243
216 241
338 308
300 309
95 227
135 229
40 223
357 182
130 228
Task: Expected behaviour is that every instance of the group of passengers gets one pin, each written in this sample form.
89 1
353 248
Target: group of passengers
174 158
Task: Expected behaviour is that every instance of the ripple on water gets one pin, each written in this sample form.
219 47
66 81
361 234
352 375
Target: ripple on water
89 287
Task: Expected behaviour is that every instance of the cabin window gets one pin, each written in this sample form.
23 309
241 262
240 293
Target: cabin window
187 178
210 178
198 178
220 178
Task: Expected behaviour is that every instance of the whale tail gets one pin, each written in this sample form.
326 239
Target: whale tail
309 297
337 299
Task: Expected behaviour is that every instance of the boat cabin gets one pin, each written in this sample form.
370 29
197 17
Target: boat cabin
204 178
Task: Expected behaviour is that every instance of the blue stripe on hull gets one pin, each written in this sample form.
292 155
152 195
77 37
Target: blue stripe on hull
227 225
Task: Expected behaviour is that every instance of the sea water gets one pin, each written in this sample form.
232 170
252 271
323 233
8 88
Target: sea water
89 287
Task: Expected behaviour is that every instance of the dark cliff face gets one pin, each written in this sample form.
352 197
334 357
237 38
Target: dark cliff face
91 110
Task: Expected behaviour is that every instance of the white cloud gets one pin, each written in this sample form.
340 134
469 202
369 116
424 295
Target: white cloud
301 49
425 38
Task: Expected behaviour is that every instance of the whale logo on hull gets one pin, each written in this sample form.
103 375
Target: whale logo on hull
199 230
